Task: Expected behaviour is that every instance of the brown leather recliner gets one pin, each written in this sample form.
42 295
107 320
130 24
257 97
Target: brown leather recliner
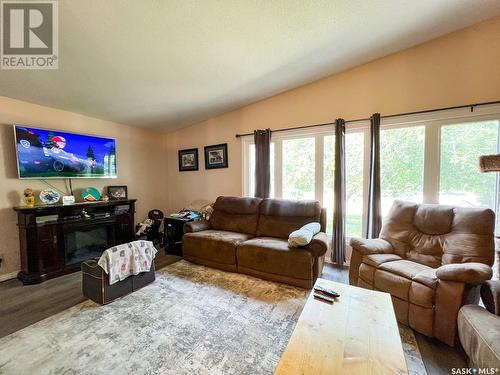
431 259
250 235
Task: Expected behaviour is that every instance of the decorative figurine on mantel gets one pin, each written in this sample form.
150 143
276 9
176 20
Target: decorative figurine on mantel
29 197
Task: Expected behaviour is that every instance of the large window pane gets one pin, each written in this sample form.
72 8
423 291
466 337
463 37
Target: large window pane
328 177
251 170
354 147
298 168
461 182
401 165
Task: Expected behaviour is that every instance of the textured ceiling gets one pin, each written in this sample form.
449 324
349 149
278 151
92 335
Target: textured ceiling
169 64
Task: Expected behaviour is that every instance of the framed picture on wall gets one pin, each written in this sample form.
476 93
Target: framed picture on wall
216 156
188 160
117 192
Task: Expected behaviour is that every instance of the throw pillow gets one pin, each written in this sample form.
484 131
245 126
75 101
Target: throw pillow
304 235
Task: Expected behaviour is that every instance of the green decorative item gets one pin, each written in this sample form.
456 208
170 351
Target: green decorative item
91 194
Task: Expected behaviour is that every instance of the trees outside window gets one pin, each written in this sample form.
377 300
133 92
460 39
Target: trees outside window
401 165
461 183
299 168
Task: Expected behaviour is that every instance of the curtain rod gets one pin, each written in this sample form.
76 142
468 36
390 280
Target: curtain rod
471 106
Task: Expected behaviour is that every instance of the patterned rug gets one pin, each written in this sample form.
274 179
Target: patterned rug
191 320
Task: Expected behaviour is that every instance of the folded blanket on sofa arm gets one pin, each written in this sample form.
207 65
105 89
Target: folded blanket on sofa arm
132 258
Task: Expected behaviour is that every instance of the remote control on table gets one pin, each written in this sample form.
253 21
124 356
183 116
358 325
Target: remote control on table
329 292
323 297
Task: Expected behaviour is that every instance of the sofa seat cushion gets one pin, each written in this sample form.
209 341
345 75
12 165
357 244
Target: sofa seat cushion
273 255
405 268
479 333
427 277
398 286
422 295
215 245
366 274
375 260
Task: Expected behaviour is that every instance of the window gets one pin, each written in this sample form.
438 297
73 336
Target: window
460 181
430 158
328 179
401 165
354 159
299 168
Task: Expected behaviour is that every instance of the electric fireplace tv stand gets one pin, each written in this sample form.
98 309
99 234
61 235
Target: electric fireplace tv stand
56 239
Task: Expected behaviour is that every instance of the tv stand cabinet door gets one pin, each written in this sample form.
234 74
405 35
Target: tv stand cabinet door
49 255
124 228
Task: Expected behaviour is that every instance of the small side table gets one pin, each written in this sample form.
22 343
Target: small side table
173 231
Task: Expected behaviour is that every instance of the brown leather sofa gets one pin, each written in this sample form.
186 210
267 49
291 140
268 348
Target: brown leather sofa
250 235
479 328
431 259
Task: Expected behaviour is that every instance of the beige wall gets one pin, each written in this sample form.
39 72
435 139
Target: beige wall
459 68
140 155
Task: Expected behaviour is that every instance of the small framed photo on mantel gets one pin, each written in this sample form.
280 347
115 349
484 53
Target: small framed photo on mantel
188 160
117 192
216 156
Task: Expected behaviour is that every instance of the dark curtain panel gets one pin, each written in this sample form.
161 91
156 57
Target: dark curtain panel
374 219
262 140
338 248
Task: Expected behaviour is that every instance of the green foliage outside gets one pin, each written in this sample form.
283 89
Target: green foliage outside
461 146
402 161
298 168
353 225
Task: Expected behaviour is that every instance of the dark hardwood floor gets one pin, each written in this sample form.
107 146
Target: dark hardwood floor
21 306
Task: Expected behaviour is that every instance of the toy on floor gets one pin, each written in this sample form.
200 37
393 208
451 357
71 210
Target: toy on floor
144 227
150 228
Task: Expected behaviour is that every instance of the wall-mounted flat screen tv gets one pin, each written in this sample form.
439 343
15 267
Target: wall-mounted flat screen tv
43 153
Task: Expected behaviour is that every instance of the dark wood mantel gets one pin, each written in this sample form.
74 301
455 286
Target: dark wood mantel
43 243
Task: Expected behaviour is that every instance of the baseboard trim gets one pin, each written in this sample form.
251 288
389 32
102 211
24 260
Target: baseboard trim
8 276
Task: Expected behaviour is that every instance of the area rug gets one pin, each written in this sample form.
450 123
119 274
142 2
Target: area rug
191 320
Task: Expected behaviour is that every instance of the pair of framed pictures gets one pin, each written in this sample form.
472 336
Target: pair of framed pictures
215 157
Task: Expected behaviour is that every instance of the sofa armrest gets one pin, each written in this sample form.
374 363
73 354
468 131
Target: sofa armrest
469 273
196 226
371 246
319 244
490 294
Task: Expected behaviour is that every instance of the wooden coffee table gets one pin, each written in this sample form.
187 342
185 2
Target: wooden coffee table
358 334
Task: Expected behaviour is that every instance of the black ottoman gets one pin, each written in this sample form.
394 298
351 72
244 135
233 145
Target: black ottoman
95 283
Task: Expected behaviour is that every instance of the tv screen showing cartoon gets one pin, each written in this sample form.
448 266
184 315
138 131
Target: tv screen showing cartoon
43 153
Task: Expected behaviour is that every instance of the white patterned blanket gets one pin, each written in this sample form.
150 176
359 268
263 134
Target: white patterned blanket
132 258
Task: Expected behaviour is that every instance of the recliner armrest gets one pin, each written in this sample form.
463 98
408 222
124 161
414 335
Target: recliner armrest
196 226
490 294
371 246
319 244
469 273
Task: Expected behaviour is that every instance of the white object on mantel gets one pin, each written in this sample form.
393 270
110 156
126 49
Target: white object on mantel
68 199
